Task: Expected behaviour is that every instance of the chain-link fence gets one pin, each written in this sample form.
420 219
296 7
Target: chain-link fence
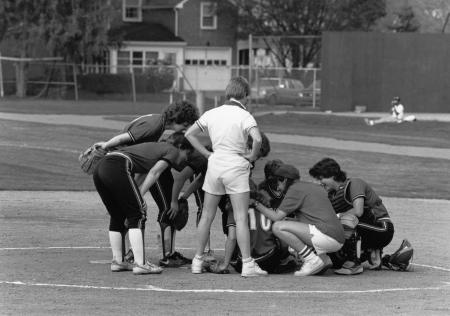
204 85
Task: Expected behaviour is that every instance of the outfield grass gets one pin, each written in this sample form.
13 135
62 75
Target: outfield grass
44 157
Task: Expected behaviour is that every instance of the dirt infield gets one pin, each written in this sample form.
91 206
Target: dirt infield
54 251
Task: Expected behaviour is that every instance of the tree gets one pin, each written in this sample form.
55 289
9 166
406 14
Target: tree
75 30
283 18
404 21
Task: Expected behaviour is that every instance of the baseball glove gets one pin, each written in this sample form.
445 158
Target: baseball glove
180 220
182 217
90 158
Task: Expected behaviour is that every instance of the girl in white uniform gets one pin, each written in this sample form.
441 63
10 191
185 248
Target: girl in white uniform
228 170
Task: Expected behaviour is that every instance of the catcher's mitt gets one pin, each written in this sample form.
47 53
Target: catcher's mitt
180 220
90 158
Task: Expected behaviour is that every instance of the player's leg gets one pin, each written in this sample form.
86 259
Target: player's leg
209 212
162 194
373 239
107 180
351 251
239 202
136 212
199 199
298 236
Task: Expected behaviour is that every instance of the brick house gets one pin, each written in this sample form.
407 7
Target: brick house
192 35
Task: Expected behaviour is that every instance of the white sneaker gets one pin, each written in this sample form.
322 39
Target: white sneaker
310 267
147 268
197 265
252 269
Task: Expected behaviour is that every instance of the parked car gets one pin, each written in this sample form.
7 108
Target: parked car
311 94
277 91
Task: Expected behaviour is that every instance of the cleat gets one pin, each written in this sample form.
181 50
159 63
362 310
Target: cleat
197 265
174 260
311 267
350 268
147 268
252 269
121 266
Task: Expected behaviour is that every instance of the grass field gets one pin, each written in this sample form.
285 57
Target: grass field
54 247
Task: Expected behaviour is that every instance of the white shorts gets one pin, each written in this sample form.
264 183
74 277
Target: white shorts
225 178
323 243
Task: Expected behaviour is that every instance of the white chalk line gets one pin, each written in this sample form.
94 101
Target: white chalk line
152 288
157 248
86 247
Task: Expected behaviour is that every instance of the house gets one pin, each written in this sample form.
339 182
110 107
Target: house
195 36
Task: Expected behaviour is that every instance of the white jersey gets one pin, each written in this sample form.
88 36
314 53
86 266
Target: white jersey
228 127
398 111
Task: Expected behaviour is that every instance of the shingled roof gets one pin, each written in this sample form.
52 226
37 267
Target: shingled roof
143 32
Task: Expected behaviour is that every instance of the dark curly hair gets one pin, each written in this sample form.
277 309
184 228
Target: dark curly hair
270 167
264 150
327 168
181 112
178 140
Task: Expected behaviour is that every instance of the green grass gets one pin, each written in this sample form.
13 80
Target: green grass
44 157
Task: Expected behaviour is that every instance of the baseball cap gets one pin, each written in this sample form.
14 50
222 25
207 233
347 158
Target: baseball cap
287 171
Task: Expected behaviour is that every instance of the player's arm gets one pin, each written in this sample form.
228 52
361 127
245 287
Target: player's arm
194 186
192 136
257 140
358 208
117 140
179 180
274 216
153 175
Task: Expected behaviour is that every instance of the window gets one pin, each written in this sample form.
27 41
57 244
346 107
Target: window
151 58
208 17
132 10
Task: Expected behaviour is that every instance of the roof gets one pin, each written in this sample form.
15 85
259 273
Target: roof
162 4
144 32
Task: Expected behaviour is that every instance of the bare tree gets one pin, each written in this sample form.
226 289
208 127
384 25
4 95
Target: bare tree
307 18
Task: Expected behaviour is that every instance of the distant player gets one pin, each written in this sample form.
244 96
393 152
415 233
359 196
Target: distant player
114 179
397 114
362 213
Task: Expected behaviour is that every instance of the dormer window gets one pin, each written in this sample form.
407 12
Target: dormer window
208 17
132 10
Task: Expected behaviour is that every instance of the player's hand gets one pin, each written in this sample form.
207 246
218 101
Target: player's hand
249 157
173 210
102 145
